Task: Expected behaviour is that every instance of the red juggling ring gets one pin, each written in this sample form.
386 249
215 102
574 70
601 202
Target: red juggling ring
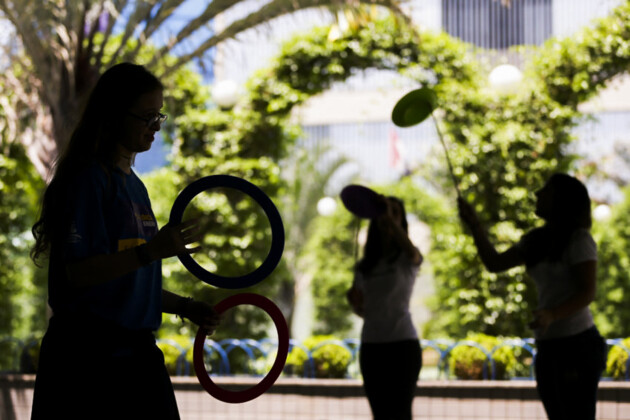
236 397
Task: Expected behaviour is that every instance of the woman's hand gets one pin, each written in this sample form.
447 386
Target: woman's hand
171 240
201 314
355 299
387 220
542 319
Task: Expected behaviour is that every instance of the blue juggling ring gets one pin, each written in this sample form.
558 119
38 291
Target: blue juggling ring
277 230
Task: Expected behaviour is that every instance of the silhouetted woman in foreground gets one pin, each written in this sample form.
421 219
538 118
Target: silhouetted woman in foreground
99 358
561 257
390 356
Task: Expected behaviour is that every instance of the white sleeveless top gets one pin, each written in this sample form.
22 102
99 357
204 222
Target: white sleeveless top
555 285
386 296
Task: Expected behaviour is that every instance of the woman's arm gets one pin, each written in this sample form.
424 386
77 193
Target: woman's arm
102 268
402 239
198 312
388 223
168 242
585 275
355 299
494 261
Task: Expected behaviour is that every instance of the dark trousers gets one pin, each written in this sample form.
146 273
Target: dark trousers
101 372
568 370
390 374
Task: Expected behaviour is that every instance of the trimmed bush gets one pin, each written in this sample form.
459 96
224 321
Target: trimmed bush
331 359
617 360
467 361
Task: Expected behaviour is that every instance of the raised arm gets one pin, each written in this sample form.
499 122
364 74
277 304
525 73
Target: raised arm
198 312
494 261
387 222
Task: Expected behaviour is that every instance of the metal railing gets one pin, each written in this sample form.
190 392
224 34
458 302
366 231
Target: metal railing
15 355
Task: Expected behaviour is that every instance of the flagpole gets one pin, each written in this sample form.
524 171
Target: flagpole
448 159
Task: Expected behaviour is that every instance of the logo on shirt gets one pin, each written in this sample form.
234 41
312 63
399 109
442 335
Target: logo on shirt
130 243
146 220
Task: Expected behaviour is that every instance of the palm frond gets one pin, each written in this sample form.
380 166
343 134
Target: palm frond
266 13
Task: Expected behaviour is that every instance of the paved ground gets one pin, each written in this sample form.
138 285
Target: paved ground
291 399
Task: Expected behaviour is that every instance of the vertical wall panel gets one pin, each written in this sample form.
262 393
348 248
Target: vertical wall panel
490 24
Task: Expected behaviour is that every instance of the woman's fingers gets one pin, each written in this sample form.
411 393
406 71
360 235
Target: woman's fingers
189 232
189 239
193 250
192 223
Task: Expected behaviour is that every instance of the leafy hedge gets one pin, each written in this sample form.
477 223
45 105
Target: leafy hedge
331 358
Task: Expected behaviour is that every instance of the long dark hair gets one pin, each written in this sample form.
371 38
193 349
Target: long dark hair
374 250
93 140
570 210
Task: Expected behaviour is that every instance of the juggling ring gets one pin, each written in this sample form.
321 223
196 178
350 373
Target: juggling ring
277 230
236 397
256 276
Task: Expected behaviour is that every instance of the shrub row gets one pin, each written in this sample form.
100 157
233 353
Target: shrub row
478 356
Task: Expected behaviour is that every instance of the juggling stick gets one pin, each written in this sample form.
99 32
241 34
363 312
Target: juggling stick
415 107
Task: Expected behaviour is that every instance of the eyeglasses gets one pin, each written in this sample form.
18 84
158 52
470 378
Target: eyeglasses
157 118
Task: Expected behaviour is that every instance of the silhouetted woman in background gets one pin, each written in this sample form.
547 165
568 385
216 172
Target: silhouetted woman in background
99 357
561 257
390 356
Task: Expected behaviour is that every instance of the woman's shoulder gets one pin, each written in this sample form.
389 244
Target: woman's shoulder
92 169
583 237
582 246
582 233
93 175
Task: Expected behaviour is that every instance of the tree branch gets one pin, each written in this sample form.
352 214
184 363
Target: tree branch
19 17
213 9
271 10
113 9
141 11
153 23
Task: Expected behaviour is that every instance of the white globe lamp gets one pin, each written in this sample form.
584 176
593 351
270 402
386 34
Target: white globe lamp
225 93
505 78
601 212
326 206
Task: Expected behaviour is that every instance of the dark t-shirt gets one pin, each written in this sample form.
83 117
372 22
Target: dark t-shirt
108 213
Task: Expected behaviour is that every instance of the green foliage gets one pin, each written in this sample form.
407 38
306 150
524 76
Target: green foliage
299 198
310 64
575 68
503 149
613 268
172 348
295 364
616 365
467 361
20 289
500 148
331 358
331 251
